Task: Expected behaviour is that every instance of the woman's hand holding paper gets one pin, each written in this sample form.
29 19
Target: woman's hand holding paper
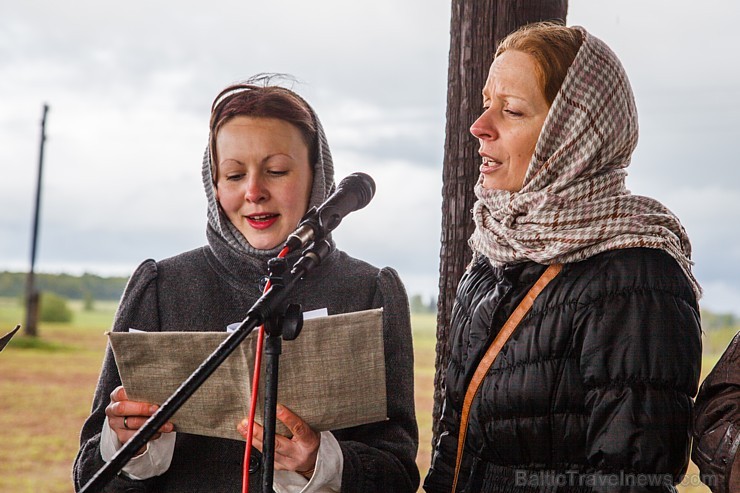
125 417
291 454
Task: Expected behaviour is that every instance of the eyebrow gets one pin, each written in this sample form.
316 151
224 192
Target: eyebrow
504 96
263 161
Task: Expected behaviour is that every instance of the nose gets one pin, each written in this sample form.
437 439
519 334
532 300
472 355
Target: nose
255 190
484 128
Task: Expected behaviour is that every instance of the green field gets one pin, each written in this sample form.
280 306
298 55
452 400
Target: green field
46 388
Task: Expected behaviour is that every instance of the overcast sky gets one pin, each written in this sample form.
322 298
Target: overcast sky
130 87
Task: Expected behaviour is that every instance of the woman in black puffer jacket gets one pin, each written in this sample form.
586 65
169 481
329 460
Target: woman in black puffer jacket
593 389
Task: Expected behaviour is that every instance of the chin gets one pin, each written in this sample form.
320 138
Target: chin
497 185
260 242
491 184
265 245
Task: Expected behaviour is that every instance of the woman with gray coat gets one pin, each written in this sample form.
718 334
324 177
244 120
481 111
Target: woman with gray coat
267 163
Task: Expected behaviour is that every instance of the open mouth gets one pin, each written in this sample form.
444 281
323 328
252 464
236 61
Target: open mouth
490 164
262 221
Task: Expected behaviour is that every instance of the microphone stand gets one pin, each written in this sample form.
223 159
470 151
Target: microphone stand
261 312
277 328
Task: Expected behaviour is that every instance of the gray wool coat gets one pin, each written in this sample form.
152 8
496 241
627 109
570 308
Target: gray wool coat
208 288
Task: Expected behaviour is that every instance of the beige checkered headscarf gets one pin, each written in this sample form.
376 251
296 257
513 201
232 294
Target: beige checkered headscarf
574 203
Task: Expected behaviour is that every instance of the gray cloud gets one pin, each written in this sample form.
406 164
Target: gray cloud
130 89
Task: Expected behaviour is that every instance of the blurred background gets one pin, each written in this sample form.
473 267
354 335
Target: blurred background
130 87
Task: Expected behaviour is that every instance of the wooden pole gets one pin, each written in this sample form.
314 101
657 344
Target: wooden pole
32 295
476 27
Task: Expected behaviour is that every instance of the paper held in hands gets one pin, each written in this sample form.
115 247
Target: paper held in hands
332 375
4 340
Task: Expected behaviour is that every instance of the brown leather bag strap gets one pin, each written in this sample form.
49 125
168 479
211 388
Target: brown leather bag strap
480 372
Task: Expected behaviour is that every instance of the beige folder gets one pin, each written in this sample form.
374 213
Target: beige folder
332 375
4 340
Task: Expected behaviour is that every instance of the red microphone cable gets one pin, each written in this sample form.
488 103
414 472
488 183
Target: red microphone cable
255 387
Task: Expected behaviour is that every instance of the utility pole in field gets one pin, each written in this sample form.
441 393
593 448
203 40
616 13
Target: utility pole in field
32 295
476 28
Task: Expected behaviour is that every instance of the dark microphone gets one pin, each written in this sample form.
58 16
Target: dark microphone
354 192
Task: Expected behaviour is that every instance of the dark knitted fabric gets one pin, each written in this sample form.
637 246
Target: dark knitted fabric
207 289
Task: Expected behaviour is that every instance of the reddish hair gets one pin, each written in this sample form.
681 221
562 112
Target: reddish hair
553 47
257 101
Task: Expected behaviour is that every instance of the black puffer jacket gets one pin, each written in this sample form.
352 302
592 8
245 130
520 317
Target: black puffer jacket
592 392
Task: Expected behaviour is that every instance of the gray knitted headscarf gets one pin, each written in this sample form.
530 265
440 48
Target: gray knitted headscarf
323 186
573 203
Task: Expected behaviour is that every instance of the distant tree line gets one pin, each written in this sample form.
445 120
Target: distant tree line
89 287
86 286
713 321
418 305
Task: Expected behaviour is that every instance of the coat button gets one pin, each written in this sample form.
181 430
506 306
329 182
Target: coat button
255 461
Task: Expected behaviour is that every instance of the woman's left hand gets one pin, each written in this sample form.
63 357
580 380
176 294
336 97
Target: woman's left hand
291 454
